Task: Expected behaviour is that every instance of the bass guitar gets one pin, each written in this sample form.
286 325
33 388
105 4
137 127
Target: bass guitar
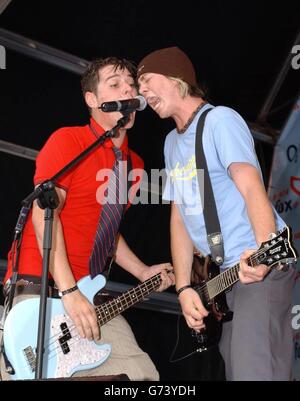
65 351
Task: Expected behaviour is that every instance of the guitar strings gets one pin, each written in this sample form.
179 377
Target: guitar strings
253 258
58 349
63 332
99 308
204 291
121 298
201 289
72 329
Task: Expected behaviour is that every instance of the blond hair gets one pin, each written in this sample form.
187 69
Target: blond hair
185 89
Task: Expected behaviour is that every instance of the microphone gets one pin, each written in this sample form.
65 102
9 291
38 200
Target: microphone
138 103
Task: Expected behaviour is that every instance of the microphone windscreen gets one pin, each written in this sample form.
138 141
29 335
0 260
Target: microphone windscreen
143 102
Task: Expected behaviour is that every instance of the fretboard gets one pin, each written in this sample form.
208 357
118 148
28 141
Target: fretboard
223 281
226 279
111 309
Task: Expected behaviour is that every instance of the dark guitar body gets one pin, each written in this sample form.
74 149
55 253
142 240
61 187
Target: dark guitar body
189 340
278 252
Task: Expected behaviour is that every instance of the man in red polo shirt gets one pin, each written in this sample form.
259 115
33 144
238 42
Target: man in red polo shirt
78 219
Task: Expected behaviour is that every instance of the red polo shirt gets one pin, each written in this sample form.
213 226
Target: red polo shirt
81 210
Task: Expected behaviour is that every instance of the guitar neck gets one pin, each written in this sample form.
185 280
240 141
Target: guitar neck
227 278
223 281
276 252
113 308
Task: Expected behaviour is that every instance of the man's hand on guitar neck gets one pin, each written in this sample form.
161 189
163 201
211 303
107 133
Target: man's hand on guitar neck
251 274
192 309
167 275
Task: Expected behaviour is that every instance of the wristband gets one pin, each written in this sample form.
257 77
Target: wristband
68 291
182 289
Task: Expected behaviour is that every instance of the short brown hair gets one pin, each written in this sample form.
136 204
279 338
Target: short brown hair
90 77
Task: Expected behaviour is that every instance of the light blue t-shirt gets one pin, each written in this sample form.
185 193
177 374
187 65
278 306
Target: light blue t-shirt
226 139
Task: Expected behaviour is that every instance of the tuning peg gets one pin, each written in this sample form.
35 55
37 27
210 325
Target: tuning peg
271 236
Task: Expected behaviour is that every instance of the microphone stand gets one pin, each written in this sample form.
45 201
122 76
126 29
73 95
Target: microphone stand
47 199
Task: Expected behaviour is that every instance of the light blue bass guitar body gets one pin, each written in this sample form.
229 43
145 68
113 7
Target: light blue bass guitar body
65 351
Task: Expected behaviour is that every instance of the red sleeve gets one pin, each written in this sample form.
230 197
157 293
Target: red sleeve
58 151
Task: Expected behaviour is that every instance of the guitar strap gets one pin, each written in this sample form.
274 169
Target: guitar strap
212 224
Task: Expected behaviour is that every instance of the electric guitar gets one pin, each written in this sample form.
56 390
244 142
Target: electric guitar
65 351
278 252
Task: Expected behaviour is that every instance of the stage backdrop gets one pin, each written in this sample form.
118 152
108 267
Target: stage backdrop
284 192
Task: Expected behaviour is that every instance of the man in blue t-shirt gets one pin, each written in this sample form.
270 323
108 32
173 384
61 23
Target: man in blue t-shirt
257 344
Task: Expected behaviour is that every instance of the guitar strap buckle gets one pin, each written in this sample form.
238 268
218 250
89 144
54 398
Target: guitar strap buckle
215 242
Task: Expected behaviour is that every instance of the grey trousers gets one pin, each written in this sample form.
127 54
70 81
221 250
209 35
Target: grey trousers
258 343
126 356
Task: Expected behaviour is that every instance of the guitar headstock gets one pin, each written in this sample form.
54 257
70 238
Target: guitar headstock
277 252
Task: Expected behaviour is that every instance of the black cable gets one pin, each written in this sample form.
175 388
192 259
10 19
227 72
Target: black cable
201 349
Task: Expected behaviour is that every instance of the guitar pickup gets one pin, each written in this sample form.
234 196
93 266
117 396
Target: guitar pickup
63 340
64 346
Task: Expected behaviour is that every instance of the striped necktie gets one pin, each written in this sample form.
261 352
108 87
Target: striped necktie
110 219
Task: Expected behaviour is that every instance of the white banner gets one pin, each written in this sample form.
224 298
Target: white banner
284 192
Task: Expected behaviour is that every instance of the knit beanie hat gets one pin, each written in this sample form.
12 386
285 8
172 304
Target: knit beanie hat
170 61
